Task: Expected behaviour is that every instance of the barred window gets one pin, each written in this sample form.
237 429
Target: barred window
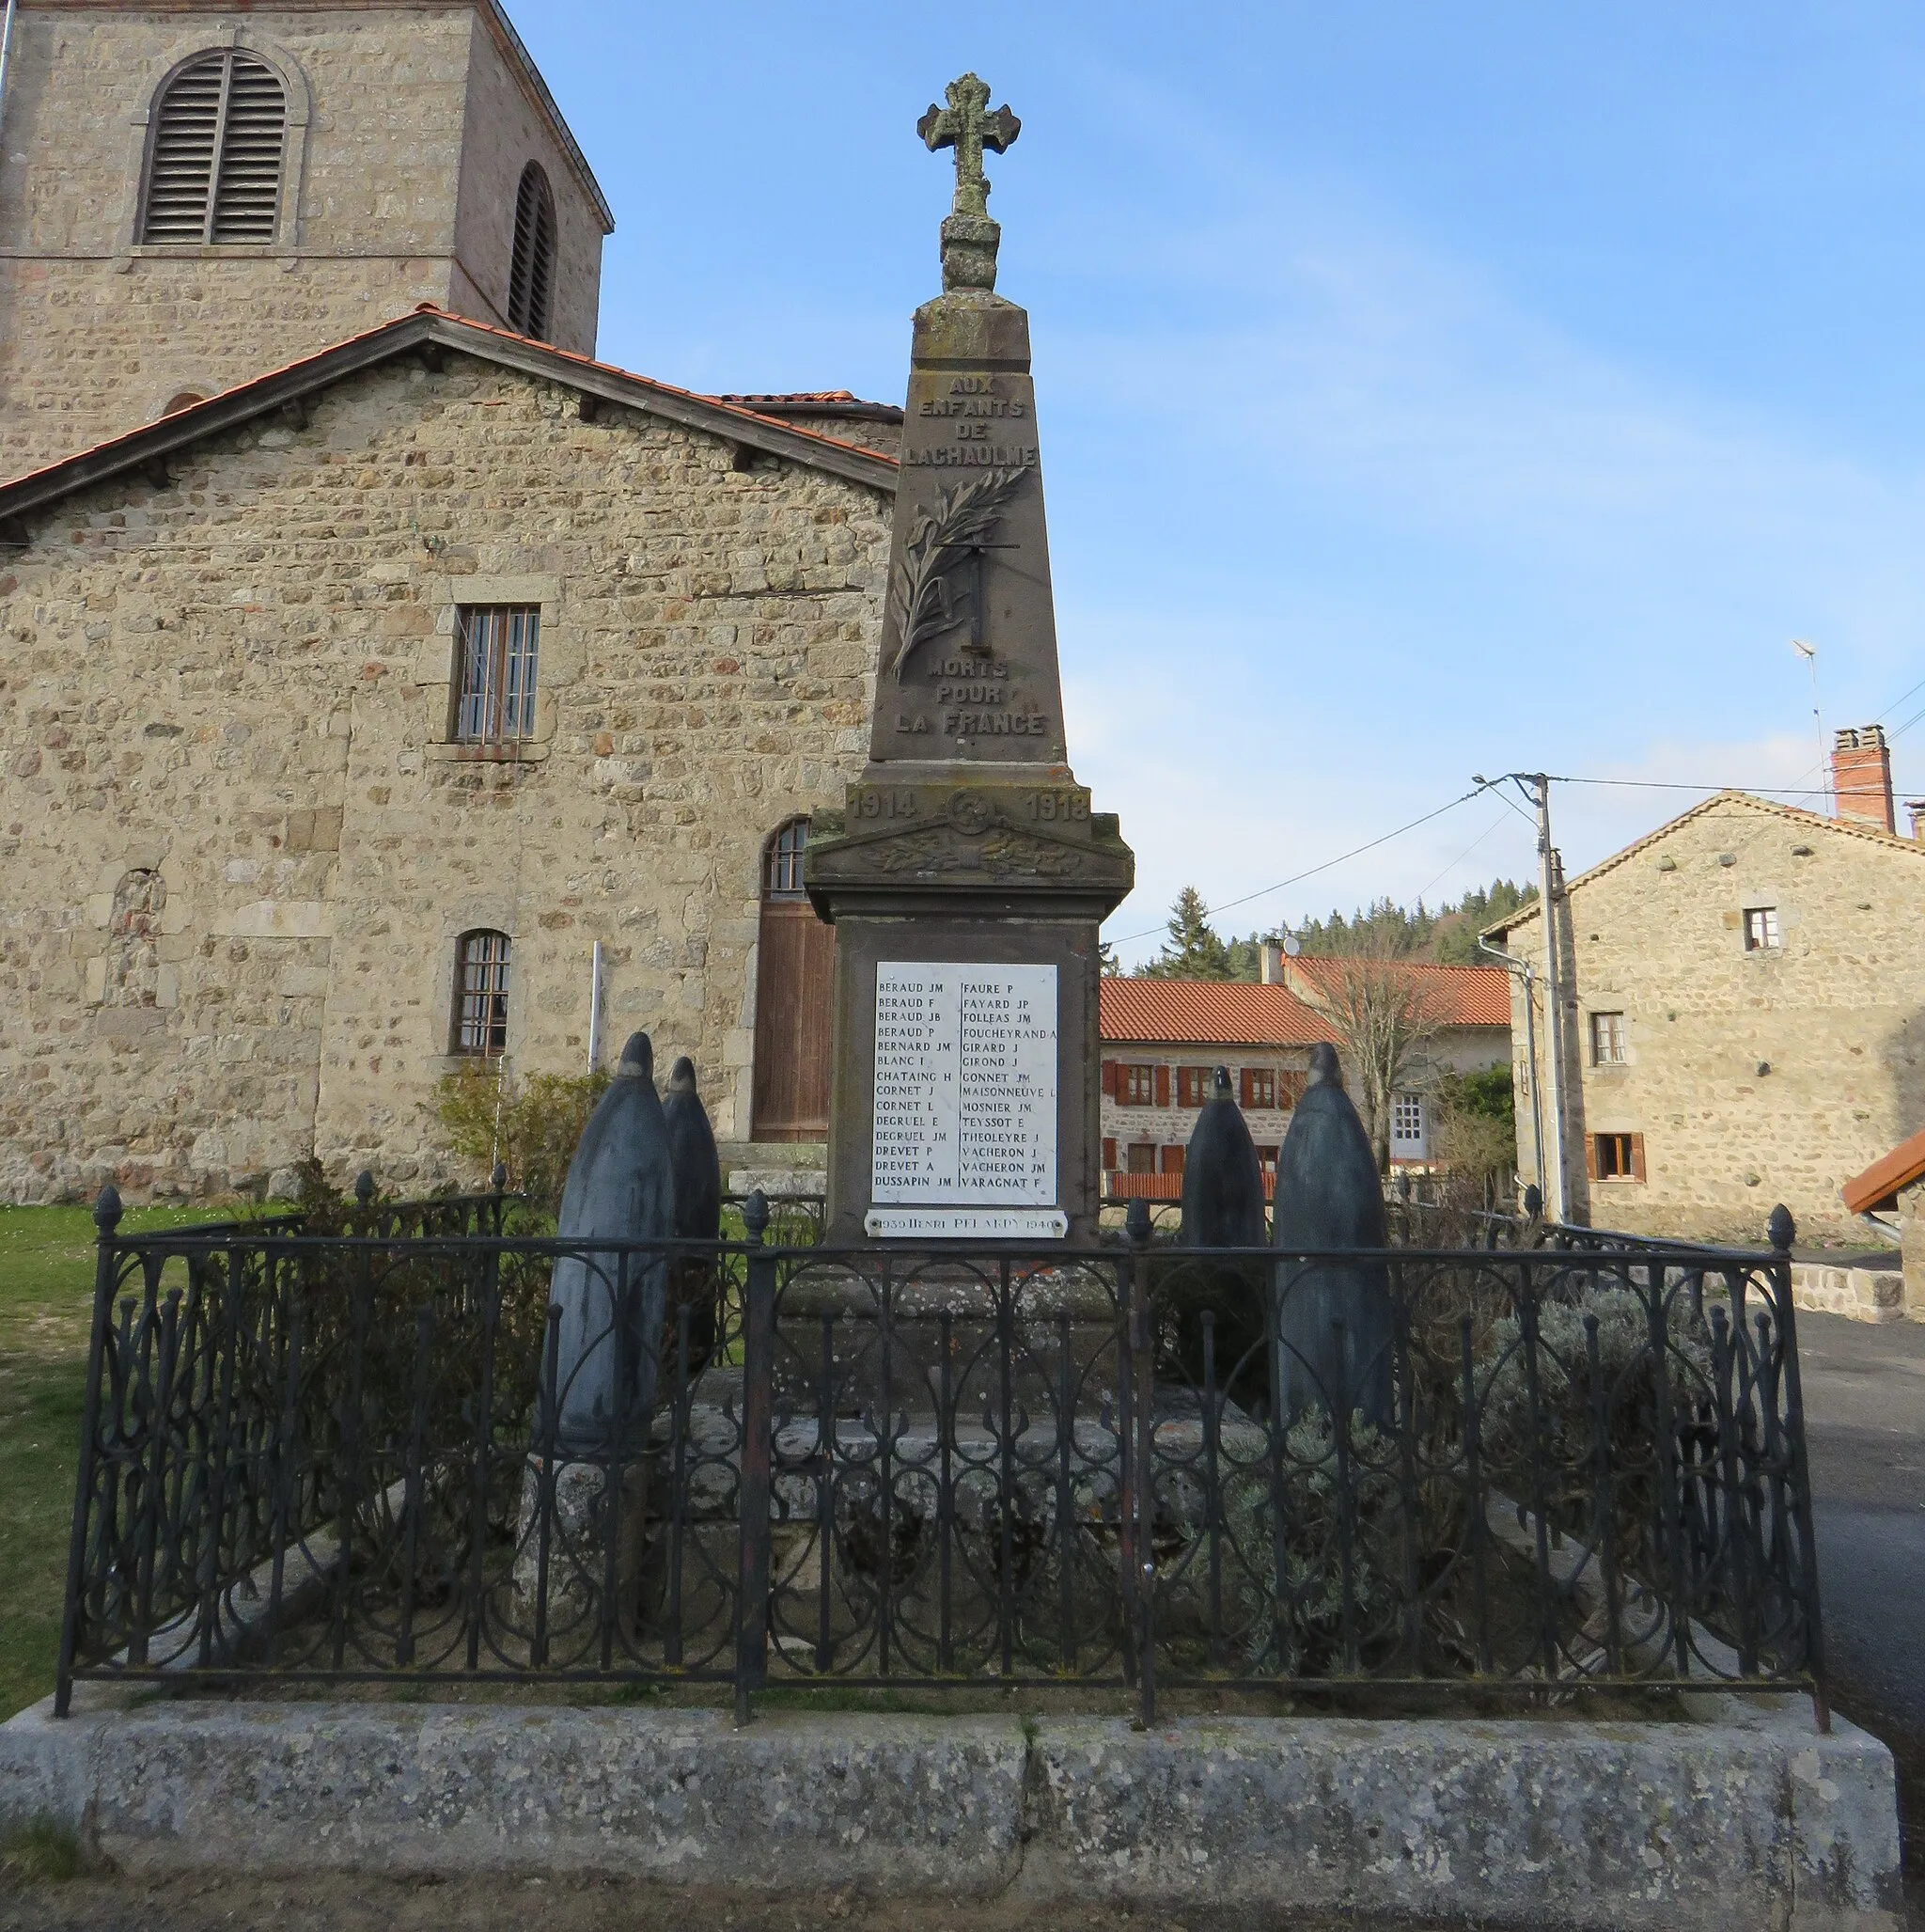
219 136
499 647
481 1016
531 274
783 878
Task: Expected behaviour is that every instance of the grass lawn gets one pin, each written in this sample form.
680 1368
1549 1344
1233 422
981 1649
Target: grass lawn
46 1308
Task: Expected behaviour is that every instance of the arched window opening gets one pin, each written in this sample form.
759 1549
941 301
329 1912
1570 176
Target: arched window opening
531 276
795 980
480 1014
186 400
219 136
132 975
782 869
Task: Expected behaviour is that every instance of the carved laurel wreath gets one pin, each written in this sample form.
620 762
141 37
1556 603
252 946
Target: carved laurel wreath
964 514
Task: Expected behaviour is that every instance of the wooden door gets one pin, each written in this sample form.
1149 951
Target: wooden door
796 984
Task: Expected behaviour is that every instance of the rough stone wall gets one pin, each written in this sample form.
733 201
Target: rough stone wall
1836 1013
98 334
504 134
241 681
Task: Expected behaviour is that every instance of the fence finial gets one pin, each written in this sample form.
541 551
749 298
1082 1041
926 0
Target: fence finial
755 1215
499 1177
1137 1220
1781 1230
364 1187
108 1209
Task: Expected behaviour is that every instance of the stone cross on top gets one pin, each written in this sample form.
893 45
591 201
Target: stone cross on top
966 124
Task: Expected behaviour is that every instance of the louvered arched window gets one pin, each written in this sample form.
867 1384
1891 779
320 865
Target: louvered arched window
531 276
220 139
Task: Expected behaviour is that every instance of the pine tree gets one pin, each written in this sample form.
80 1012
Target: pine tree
1193 950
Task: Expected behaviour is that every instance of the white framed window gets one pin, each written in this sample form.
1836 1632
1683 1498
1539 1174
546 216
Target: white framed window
1761 929
1607 1039
1407 1126
500 646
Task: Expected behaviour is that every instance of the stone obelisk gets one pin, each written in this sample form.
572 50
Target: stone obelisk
966 877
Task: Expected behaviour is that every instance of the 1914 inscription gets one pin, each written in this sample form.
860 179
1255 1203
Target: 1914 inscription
966 1084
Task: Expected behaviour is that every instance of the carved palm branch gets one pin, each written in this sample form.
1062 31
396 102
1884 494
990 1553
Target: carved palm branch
964 514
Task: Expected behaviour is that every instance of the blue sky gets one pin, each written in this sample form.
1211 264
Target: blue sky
1422 390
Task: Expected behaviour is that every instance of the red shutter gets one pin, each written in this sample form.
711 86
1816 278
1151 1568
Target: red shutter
1173 1160
1163 1086
1247 1087
1637 1156
1109 1079
1590 1156
1109 1156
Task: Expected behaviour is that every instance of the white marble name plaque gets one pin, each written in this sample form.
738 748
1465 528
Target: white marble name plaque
965 1085
967 1223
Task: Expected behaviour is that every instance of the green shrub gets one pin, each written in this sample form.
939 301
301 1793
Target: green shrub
529 1125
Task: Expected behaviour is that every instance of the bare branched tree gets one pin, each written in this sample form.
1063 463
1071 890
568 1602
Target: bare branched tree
1384 1009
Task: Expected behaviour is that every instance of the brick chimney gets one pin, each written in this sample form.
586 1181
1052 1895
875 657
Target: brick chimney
1861 776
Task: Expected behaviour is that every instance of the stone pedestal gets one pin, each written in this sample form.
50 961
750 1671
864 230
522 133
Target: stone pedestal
578 1545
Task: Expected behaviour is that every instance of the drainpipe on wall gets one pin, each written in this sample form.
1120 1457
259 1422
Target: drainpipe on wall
6 51
1528 973
595 1009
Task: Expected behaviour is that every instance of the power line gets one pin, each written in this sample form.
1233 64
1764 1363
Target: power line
1465 853
1683 785
1357 851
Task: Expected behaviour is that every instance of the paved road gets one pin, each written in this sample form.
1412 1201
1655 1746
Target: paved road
1865 1420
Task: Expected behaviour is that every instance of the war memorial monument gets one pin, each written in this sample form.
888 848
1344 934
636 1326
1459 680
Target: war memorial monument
1291 1569
967 876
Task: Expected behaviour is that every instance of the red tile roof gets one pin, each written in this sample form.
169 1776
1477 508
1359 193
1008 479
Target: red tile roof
1234 1013
1881 1183
1207 1012
1465 996
752 397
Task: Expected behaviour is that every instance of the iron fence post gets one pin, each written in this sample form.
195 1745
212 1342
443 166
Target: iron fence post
1783 1231
758 1432
1141 1371
106 1272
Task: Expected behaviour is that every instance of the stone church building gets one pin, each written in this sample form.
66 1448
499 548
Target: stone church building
379 678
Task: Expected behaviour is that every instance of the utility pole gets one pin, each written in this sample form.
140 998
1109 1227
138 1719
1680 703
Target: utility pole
1538 788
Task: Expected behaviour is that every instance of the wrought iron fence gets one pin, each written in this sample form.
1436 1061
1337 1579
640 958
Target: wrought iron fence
393 1455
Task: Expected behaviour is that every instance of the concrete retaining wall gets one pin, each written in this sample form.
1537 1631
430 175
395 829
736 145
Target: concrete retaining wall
1748 1819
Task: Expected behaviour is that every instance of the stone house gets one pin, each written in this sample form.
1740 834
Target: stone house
1743 995
344 713
1164 1039
192 196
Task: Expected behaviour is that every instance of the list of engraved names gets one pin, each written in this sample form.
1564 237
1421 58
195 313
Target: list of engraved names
966 1086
